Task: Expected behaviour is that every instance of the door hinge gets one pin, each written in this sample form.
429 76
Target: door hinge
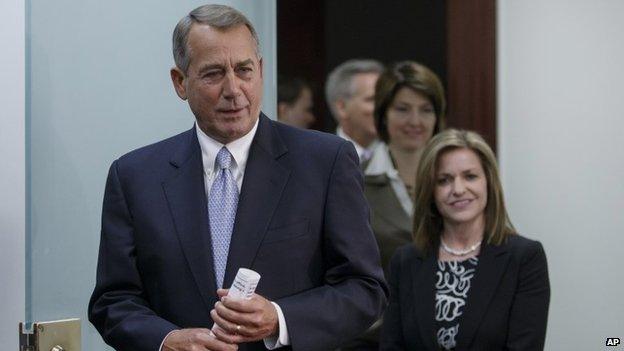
27 339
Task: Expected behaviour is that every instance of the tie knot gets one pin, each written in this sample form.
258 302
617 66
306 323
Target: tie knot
224 158
366 155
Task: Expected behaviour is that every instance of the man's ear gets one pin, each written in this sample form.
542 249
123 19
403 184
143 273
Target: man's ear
341 109
260 62
178 78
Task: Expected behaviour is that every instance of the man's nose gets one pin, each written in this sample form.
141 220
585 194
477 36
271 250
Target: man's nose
231 86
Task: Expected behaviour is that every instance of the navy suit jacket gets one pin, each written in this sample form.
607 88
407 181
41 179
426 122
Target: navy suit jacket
302 223
506 309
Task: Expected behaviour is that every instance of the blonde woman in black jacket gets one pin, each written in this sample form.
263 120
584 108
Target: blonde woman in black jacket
468 282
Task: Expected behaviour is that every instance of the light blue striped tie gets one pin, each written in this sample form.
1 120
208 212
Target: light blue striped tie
222 203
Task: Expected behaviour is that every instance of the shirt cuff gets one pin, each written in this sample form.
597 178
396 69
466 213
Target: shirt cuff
282 339
163 342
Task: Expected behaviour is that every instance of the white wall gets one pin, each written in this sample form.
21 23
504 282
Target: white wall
561 106
12 177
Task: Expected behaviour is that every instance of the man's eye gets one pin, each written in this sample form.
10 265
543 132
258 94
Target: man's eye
212 74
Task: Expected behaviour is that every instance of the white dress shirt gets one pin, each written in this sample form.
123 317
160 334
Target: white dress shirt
364 153
239 149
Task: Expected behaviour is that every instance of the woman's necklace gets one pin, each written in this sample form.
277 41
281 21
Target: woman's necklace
459 252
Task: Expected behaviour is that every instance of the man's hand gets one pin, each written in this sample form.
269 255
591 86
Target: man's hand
195 339
244 320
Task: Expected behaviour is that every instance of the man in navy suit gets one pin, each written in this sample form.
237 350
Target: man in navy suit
300 218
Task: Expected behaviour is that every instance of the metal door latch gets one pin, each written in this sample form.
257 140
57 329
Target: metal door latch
62 335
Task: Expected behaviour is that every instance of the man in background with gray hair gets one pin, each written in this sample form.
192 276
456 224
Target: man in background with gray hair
238 190
350 93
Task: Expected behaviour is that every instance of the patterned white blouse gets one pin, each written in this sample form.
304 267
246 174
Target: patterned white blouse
453 283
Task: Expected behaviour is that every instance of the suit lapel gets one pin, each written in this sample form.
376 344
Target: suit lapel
424 305
492 264
186 196
391 211
265 179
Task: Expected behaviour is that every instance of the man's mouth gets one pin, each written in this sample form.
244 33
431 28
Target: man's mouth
231 111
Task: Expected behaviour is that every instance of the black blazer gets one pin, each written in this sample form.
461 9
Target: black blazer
301 222
507 306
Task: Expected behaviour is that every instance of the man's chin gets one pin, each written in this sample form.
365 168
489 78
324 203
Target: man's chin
228 129
232 132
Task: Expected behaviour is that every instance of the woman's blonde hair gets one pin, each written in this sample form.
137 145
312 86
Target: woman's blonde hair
427 218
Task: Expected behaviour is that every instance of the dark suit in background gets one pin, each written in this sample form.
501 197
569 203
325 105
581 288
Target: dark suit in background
390 222
507 306
301 222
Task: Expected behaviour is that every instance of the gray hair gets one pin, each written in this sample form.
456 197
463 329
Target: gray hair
339 82
219 16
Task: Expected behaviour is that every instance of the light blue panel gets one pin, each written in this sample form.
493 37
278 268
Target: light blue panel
98 87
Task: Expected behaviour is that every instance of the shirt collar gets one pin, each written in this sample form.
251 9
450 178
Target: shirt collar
364 153
381 163
239 149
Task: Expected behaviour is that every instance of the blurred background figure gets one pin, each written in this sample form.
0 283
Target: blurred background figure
350 94
409 109
468 282
294 102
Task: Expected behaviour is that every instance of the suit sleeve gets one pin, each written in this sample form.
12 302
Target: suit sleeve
529 311
354 292
118 307
392 330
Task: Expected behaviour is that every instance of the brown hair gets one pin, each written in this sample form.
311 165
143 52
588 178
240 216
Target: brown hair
414 76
